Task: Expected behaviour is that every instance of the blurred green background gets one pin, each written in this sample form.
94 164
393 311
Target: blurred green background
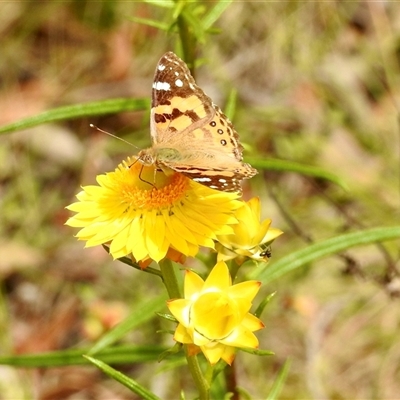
317 83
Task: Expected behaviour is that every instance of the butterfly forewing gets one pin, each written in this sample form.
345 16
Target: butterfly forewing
205 146
178 104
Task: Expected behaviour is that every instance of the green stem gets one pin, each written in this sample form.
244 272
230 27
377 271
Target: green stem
209 373
170 273
197 375
170 278
188 42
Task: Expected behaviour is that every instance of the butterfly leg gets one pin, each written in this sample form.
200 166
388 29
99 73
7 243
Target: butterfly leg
144 180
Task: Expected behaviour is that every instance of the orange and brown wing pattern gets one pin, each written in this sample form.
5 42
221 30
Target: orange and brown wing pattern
205 145
178 104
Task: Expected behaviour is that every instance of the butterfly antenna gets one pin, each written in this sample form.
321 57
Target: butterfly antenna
114 136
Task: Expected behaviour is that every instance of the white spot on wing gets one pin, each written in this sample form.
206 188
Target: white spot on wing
202 179
161 86
161 67
178 83
176 73
191 85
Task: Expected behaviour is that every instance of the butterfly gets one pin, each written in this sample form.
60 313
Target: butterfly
190 134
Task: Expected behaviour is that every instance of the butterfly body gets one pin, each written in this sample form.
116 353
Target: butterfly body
190 134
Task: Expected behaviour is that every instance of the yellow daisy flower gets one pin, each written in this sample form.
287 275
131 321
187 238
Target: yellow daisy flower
214 315
149 215
251 238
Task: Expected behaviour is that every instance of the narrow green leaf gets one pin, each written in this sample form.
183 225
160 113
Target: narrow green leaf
179 5
161 3
290 166
128 261
144 311
195 24
230 106
168 317
276 389
262 305
257 352
121 378
103 107
212 16
175 349
150 22
125 354
326 248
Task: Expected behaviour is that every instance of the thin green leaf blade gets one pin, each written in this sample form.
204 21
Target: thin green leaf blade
112 106
161 3
150 22
124 354
213 15
290 166
143 312
179 6
262 305
123 379
279 381
230 106
326 248
195 24
257 352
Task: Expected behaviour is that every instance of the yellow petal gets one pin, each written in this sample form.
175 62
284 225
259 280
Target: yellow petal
214 315
198 338
181 335
175 237
228 354
252 323
193 284
148 219
245 290
213 353
241 337
180 309
219 277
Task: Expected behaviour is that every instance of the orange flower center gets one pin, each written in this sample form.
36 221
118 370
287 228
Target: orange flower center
144 187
